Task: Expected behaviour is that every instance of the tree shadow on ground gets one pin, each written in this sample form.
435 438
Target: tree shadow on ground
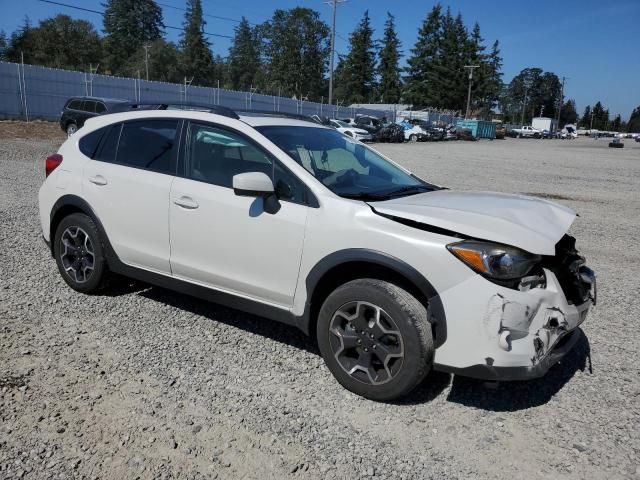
513 396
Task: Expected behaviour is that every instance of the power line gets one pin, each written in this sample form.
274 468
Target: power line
75 7
228 19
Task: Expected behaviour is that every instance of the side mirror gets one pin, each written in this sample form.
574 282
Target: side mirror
252 184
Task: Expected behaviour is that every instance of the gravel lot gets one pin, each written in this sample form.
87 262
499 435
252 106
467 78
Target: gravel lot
142 382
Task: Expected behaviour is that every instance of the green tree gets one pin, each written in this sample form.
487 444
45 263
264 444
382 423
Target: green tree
244 57
388 69
585 120
21 42
356 81
296 51
419 87
129 24
600 117
164 62
197 59
633 125
568 115
616 123
4 45
530 92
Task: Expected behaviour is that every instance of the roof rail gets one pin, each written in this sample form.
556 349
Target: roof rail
216 109
271 113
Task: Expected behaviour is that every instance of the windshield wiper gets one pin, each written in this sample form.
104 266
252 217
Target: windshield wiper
364 196
409 189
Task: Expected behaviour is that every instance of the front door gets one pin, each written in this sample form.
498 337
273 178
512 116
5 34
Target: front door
228 242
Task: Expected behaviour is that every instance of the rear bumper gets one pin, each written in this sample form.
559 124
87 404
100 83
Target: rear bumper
489 372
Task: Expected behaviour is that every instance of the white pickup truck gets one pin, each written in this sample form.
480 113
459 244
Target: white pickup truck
526 131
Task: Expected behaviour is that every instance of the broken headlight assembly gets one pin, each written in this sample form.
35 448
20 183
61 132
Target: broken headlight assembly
502 264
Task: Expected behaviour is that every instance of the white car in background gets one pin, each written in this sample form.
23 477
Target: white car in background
296 222
350 130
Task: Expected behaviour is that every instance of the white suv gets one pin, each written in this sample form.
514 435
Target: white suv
296 222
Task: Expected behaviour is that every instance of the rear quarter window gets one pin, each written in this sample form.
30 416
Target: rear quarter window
75 105
106 151
89 143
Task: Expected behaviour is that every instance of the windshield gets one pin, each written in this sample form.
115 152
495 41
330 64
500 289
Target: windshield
340 123
347 167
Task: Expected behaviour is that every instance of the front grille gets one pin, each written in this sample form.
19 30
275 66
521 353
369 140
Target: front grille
565 265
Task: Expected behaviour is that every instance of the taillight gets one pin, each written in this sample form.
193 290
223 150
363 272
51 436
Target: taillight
51 163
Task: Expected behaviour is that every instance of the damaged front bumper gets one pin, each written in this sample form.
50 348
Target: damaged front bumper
499 333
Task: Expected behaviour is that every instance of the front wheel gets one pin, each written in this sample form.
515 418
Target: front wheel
413 138
375 339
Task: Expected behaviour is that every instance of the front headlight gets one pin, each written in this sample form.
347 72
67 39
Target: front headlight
494 260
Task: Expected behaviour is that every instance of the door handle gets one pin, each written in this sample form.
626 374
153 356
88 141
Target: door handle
186 202
98 180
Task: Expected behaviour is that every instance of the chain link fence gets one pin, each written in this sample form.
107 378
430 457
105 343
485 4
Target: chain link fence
32 92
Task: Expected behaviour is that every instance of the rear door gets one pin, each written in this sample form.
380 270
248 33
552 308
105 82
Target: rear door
127 184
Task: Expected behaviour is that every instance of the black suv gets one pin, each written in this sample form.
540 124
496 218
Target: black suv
78 109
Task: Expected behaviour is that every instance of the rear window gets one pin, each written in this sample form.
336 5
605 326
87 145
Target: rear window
89 143
100 107
148 144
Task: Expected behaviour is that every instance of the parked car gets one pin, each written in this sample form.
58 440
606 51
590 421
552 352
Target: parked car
501 131
527 131
294 221
616 143
412 133
390 133
351 131
78 109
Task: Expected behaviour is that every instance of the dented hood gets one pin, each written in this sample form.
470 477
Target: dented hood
533 224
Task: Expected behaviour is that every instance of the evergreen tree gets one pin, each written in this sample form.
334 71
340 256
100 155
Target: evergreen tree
197 59
4 45
568 115
633 125
128 24
418 87
21 42
533 90
358 75
296 51
389 71
244 57
600 117
615 124
164 62
585 120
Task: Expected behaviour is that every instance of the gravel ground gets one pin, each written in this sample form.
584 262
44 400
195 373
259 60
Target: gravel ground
140 382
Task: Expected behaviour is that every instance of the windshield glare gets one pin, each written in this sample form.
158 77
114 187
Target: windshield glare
345 166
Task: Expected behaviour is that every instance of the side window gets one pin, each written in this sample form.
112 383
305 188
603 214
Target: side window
89 106
75 105
288 186
100 107
148 144
216 155
106 151
89 143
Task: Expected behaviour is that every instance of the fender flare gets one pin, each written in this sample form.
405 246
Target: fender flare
335 259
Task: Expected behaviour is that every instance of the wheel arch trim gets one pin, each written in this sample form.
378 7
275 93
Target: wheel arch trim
378 259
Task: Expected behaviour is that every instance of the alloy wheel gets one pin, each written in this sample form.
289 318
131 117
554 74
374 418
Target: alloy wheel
76 254
366 342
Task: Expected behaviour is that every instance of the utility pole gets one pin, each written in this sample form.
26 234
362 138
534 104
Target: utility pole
146 59
334 5
470 67
560 104
524 105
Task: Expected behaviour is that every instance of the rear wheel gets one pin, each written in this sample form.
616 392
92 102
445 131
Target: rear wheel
79 253
413 138
71 129
375 339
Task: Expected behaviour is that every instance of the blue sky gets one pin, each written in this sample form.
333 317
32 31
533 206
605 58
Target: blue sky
595 44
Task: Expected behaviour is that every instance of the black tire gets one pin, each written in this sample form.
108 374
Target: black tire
413 138
76 229
71 128
403 316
